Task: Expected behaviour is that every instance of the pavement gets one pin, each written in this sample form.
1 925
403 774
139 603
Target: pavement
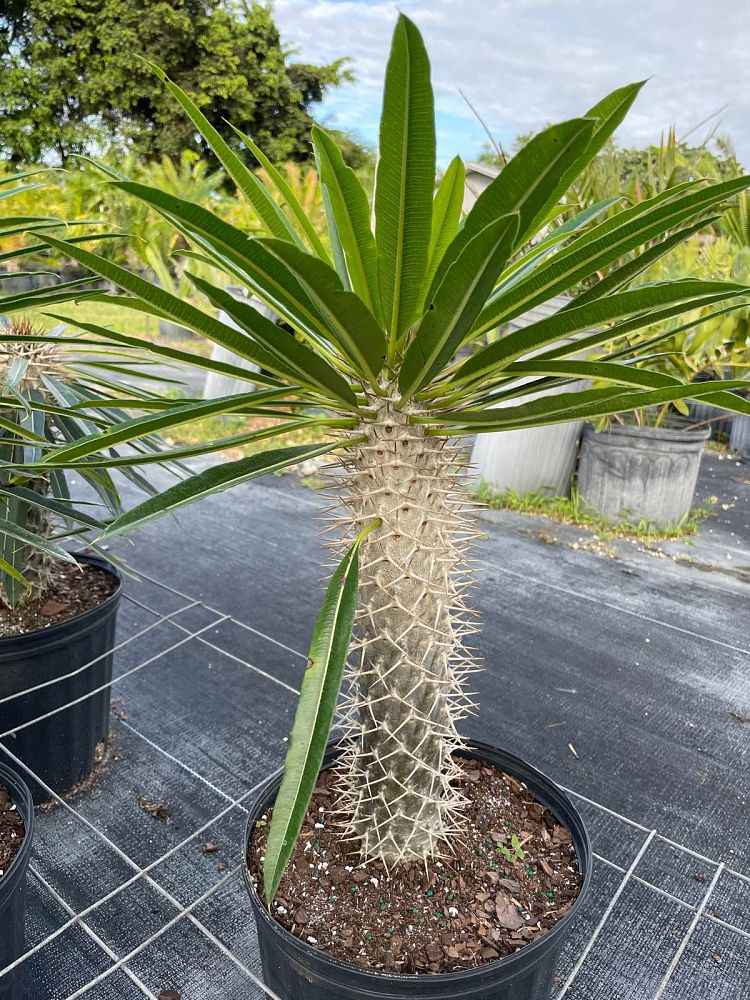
625 677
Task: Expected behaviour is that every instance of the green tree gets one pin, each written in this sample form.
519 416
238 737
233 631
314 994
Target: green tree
73 79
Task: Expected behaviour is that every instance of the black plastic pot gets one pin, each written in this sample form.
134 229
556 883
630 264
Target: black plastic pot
296 971
60 749
13 891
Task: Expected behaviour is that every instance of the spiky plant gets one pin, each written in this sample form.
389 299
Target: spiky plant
385 329
53 394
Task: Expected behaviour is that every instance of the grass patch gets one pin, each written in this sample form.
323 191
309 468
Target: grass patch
572 510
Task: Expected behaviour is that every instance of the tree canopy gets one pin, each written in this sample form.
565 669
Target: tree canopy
73 77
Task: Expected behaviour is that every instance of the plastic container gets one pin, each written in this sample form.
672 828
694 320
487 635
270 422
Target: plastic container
13 892
61 749
296 971
640 473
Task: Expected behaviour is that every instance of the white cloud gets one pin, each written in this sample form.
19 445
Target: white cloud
524 63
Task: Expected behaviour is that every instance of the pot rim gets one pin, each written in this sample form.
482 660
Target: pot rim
54 632
691 436
529 954
21 795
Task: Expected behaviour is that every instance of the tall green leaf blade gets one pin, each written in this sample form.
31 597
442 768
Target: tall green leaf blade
405 178
351 213
457 303
214 480
349 323
446 214
282 186
313 720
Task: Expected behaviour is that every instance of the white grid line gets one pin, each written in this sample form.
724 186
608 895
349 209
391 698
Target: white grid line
610 906
617 607
114 649
91 933
182 910
688 934
142 873
109 684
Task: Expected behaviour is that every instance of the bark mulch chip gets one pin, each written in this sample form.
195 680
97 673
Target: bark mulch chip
73 590
504 881
12 831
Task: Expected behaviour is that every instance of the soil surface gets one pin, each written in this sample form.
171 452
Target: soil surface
505 881
73 590
12 831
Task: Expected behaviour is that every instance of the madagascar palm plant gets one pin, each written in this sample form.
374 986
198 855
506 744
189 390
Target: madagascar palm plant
382 357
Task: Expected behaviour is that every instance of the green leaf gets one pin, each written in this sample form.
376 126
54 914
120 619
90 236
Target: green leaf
457 303
314 717
243 256
535 177
49 503
405 178
585 405
446 214
20 534
280 183
621 276
303 364
347 319
153 298
214 480
687 294
269 212
129 430
602 246
351 215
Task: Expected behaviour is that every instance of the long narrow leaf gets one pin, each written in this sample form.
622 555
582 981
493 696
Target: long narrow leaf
250 185
446 214
214 480
405 178
351 216
313 720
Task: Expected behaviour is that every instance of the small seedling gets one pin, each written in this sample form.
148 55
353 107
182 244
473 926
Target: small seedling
513 853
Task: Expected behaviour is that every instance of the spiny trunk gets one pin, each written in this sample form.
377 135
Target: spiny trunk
407 690
36 566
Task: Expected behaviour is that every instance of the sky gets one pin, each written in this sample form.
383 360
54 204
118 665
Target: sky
526 63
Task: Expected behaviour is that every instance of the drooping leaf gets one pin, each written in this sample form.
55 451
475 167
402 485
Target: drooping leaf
214 480
314 717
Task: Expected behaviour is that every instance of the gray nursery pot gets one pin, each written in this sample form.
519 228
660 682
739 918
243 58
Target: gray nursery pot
640 473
